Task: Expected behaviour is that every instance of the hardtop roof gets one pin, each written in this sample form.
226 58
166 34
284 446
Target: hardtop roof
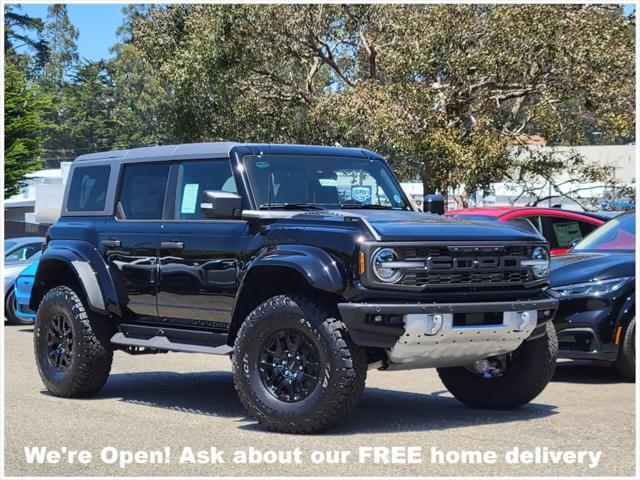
218 150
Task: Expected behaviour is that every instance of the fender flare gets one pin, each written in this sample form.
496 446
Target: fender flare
90 270
313 263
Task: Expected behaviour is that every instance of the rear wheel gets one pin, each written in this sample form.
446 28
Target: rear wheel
295 368
72 345
626 362
507 381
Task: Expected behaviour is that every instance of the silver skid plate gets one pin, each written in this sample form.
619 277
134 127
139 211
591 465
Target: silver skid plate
431 340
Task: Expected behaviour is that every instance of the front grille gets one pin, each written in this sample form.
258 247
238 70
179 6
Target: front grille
467 266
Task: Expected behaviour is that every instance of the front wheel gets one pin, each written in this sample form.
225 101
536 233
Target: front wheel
72 345
626 361
295 368
507 381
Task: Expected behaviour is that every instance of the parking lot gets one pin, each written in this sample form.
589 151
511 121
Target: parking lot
188 400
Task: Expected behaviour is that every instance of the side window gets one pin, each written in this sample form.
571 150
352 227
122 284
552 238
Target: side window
24 253
88 189
537 224
142 191
586 228
194 177
564 231
524 223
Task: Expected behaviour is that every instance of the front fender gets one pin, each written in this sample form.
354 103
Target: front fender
89 268
313 263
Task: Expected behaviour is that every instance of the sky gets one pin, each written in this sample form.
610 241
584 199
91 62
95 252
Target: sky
97 25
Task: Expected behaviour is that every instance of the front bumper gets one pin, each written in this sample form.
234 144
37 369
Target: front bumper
358 317
446 334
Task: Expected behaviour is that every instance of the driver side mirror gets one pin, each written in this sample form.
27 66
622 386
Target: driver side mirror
219 204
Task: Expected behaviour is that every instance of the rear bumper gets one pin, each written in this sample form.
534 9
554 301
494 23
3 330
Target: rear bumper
360 318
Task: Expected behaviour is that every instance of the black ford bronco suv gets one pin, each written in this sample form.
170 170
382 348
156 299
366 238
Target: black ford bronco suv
306 264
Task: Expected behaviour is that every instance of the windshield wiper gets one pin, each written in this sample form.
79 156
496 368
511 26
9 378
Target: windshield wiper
290 206
366 206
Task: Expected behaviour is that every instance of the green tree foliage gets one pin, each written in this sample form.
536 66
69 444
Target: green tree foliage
62 53
20 31
24 125
446 92
449 93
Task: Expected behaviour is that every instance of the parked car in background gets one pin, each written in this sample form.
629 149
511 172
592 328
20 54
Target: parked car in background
21 249
561 228
22 291
595 283
10 273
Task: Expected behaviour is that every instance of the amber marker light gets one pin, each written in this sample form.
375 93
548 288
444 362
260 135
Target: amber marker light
361 262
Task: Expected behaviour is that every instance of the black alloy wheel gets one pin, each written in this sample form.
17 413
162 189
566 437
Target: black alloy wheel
60 343
289 365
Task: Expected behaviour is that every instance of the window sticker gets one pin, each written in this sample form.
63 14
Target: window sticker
566 232
361 193
189 197
328 182
263 164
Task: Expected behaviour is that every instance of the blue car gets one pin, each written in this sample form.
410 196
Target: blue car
22 288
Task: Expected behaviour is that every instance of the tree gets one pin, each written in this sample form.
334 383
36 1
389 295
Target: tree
24 111
19 29
62 54
445 92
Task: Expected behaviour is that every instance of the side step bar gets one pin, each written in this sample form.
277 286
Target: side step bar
172 339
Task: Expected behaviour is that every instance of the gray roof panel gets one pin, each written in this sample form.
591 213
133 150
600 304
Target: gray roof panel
215 150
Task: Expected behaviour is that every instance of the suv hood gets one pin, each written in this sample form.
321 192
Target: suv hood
587 266
395 225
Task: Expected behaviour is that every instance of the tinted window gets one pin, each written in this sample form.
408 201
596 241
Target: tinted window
143 191
523 223
88 189
23 253
194 178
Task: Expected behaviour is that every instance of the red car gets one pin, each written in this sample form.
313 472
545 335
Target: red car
560 227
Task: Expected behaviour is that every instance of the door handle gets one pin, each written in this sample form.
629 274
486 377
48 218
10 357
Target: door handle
111 243
172 245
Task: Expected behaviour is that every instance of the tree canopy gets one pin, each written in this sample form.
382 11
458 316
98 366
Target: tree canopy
447 93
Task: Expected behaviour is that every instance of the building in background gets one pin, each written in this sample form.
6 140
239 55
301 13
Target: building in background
621 157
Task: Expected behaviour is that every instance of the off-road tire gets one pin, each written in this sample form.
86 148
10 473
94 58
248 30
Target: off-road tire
626 361
343 366
533 368
92 353
10 310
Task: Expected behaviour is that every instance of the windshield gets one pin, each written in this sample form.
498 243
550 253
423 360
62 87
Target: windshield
332 182
616 234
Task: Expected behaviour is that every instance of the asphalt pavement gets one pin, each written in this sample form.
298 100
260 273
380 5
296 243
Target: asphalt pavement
173 414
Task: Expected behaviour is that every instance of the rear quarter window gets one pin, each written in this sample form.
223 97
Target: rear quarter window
88 189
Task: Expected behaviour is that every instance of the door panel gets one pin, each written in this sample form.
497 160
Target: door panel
130 250
198 257
199 281
129 243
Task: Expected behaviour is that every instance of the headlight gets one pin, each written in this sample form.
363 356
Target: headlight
385 265
596 288
539 262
